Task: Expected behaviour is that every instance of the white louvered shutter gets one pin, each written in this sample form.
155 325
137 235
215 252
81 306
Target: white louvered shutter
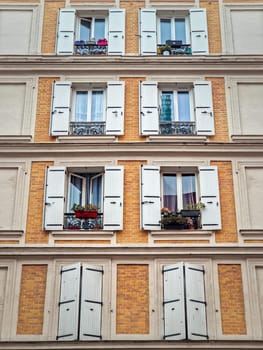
150 198
204 108
209 191
195 302
91 302
65 34
54 198
113 198
60 108
115 108
174 302
148 31
149 111
199 33
116 43
69 303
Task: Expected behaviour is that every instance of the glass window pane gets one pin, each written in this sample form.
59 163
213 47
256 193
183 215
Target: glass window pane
96 191
167 106
85 29
170 192
165 30
99 29
188 189
81 106
75 191
179 27
184 106
97 106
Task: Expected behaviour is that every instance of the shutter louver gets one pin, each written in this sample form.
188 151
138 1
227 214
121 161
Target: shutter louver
65 34
148 32
149 111
69 303
60 108
199 33
204 108
113 198
209 190
54 198
174 302
91 302
195 302
115 108
116 44
150 198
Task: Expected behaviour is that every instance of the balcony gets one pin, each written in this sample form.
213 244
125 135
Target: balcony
174 48
72 222
90 48
177 128
87 128
183 220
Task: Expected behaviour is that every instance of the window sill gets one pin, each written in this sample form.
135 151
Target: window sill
15 138
81 235
86 139
182 235
247 138
251 232
178 139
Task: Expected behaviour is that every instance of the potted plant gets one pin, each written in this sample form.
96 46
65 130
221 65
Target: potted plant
89 211
192 210
173 220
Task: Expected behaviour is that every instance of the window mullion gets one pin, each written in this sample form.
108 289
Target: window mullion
179 191
89 105
176 112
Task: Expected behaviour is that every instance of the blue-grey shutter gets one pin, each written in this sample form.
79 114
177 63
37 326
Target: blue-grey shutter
209 195
204 108
54 198
199 33
91 302
148 31
113 198
60 108
149 111
65 32
195 302
116 43
150 198
69 303
115 108
174 302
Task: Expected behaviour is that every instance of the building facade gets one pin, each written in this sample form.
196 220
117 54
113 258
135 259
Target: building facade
149 114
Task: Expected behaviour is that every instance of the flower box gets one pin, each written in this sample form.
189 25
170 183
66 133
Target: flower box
190 212
86 214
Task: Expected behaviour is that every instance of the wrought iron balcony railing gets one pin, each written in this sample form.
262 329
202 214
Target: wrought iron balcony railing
85 48
177 128
71 222
87 128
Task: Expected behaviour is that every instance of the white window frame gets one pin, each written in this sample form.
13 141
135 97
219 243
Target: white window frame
175 91
89 102
80 17
179 174
180 15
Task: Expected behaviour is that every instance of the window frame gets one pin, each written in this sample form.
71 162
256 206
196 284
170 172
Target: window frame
180 15
80 16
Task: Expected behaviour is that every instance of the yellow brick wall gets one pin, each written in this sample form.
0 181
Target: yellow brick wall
220 112
32 299
131 215
213 24
228 212
50 26
43 114
131 120
131 31
132 299
231 299
34 232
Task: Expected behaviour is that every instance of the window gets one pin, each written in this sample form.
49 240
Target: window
87 109
176 109
184 303
177 189
80 306
185 32
101 33
100 187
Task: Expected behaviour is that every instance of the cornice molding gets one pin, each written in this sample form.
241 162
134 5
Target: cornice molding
139 65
